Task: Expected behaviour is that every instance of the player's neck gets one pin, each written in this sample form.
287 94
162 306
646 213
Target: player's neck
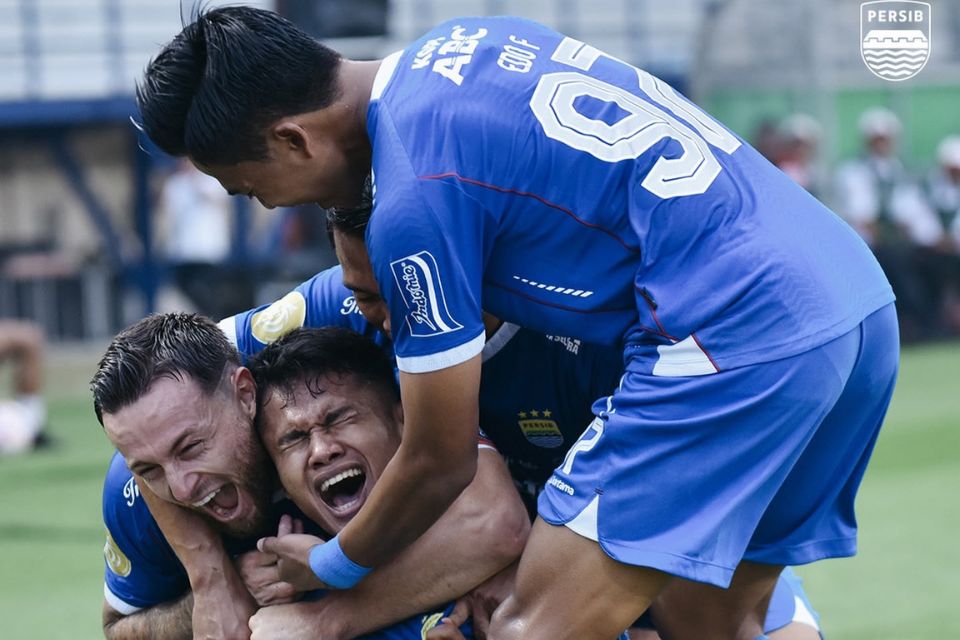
356 83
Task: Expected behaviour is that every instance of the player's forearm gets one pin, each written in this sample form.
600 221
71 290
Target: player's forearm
223 604
483 531
167 621
412 494
436 461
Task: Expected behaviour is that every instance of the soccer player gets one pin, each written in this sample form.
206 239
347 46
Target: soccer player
173 397
578 196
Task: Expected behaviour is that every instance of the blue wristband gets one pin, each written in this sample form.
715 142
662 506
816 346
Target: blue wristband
333 567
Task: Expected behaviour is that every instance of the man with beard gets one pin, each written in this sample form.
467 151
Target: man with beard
174 399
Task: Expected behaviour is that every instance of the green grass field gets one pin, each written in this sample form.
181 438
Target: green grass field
902 586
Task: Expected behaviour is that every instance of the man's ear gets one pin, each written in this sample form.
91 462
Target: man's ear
291 136
246 391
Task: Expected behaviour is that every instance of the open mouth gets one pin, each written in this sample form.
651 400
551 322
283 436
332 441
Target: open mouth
221 503
344 490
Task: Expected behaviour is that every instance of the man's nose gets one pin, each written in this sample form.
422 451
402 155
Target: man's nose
182 484
323 448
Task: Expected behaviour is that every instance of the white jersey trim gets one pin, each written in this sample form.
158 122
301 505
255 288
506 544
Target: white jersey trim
384 73
499 340
229 328
116 603
585 524
442 360
684 358
802 614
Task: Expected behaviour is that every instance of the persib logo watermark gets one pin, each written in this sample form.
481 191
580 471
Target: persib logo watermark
895 38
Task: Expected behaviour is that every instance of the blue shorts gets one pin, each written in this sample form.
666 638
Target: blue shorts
690 475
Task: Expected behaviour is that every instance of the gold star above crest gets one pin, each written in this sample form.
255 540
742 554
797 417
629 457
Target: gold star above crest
535 413
547 413
522 414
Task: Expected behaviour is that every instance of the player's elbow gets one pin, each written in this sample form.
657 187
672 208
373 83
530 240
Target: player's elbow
508 527
492 513
110 617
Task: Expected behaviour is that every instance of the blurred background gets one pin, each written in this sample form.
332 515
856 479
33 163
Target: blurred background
98 228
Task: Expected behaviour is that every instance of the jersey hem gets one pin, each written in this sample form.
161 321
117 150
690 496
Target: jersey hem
117 604
499 340
442 359
779 351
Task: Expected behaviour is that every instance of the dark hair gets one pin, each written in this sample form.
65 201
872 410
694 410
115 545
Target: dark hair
306 355
168 345
352 221
214 89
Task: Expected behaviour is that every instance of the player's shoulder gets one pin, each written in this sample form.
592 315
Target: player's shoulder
119 487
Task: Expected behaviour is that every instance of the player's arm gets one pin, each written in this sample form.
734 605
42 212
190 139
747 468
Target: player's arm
222 604
321 301
166 621
435 462
483 531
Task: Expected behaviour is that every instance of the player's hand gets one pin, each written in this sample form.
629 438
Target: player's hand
298 621
292 551
479 604
261 571
449 627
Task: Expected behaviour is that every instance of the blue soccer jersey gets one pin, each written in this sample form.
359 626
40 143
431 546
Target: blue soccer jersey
321 301
141 568
566 191
535 396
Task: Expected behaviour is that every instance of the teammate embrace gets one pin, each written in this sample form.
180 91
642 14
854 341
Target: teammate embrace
575 196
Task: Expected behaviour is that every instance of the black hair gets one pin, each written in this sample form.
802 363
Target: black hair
211 93
167 345
352 221
305 356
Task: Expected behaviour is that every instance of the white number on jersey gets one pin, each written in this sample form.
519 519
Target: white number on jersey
646 125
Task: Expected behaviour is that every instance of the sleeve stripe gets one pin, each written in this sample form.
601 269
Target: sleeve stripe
116 603
229 327
499 340
443 359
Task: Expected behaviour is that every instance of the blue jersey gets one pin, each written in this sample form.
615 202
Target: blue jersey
321 301
566 191
141 568
535 391
535 394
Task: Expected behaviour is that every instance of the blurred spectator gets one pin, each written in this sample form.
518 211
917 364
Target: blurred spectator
799 135
942 261
886 206
766 139
943 190
195 228
23 417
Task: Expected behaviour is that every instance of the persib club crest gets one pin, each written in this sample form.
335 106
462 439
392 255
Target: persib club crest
895 38
540 428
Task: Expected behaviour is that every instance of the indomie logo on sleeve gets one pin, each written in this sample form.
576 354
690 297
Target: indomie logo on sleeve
417 278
